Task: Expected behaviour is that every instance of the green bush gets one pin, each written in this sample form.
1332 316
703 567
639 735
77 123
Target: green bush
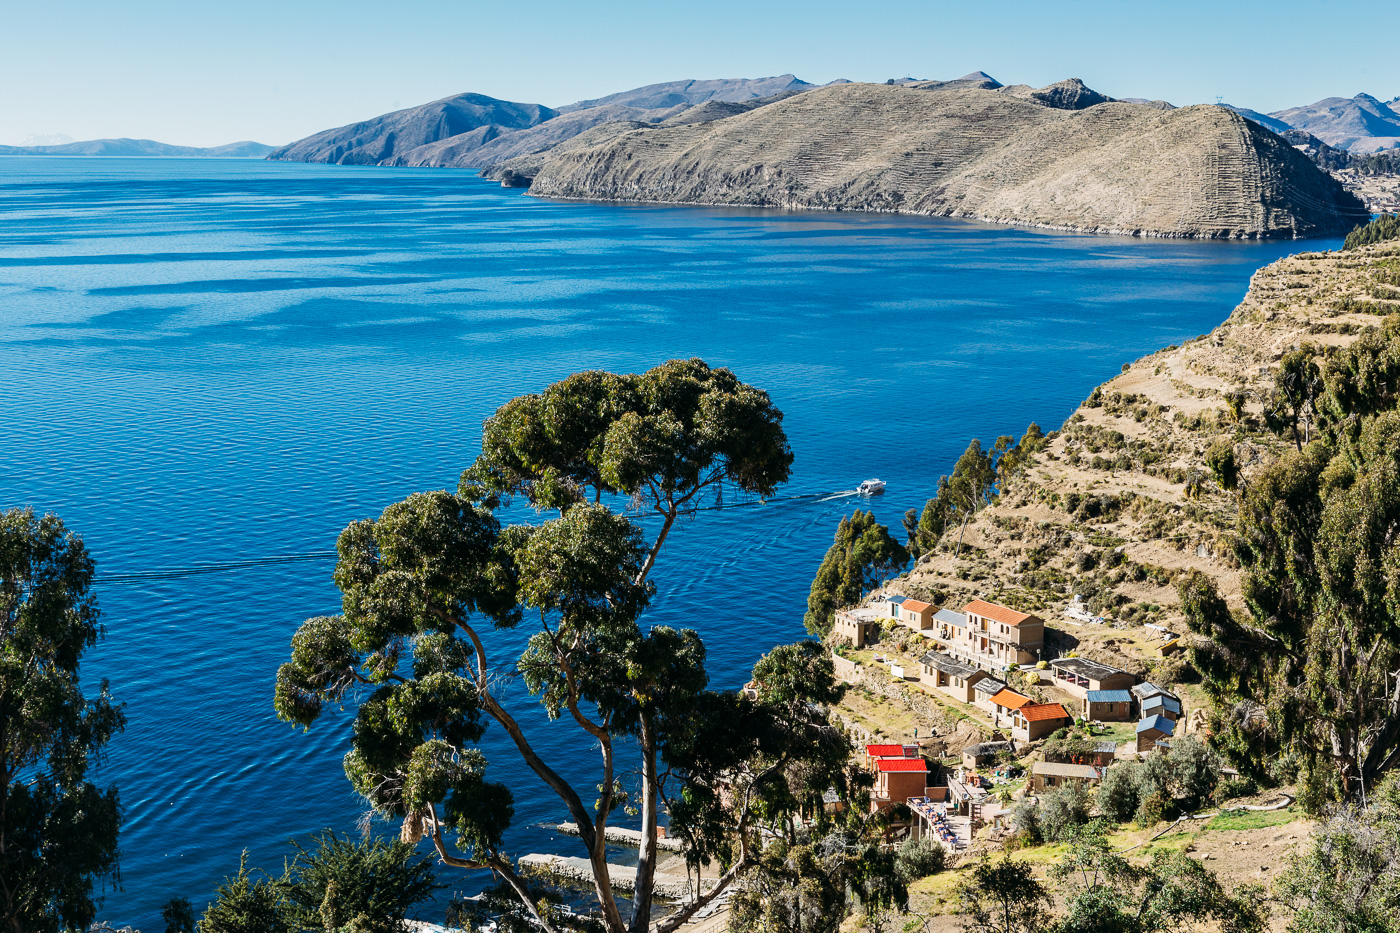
1063 809
1118 795
1385 227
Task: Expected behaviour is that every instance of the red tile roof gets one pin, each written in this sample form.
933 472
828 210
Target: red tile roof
903 764
1037 712
885 751
996 613
915 605
1009 699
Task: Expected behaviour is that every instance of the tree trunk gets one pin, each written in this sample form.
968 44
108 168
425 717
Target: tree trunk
646 858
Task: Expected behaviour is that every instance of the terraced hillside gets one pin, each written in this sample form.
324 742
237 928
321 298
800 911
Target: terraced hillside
1122 499
963 151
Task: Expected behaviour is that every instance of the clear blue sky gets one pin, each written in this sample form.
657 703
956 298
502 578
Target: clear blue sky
209 72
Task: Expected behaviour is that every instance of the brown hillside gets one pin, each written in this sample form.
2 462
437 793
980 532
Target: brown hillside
1111 167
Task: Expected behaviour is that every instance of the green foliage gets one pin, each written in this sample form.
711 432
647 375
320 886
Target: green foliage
1347 877
794 889
863 554
975 479
246 905
1305 672
919 858
422 582
1004 897
58 830
1292 404
1105 893
366 886
1385 227
1062 809
1223 464
178 915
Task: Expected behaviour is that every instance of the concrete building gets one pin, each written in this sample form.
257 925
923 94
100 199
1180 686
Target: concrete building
898 779
859 626
1162 705
1005 703
983 691
994 637
917 615
1035 721
1048 774
1152 731
1108 706
1078 676
975 756
943 673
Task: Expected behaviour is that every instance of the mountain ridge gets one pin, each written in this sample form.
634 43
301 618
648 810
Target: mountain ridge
144 148
1063 156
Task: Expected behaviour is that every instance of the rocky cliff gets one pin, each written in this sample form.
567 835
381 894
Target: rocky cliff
1061 156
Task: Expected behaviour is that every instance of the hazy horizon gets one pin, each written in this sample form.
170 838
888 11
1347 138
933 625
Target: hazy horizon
221 73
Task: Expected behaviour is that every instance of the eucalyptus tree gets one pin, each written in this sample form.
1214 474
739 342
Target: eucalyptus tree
424 583
863 553
58 830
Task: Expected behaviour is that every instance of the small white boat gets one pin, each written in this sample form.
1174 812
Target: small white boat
870 487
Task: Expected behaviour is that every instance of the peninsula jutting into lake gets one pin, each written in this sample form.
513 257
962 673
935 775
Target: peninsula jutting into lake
835 504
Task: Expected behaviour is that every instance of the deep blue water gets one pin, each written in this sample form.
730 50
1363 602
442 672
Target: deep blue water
210 361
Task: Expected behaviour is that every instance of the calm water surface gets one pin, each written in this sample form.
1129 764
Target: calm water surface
220 360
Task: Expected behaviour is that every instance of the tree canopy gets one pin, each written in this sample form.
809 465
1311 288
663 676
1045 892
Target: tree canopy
425 583
1307 671
58 830
863 555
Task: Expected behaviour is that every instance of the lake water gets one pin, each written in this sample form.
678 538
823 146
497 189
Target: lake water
207 361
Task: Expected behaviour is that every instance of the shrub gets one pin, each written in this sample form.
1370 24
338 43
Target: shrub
1385 227
1153 809
1118 796
919 858
1063 809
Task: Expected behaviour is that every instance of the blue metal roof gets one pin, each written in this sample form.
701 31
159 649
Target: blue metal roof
896 599
951 617
1109 696
1160 723
1164 701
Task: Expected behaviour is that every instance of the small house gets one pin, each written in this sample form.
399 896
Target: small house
898 779
859 626
1080 675
875 753
916 614
891 604
1162 705
1147 690
949 624
949 676
1150 732
975 756
1048 774
1035 721
1004 705
983 691
1108 706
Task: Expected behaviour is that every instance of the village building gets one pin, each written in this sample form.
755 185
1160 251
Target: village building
897 780
875 753
1078 676
917 615
976 756
949 676
890 605
1108 706
994 637
1005 703
948 624
1035 721
983 691
1048 774
1162 705
1147 690
1154 733
859 626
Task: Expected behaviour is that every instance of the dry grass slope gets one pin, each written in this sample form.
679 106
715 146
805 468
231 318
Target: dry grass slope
1114 167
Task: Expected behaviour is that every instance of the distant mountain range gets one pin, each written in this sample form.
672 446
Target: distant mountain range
143 147
1359 124
474 131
